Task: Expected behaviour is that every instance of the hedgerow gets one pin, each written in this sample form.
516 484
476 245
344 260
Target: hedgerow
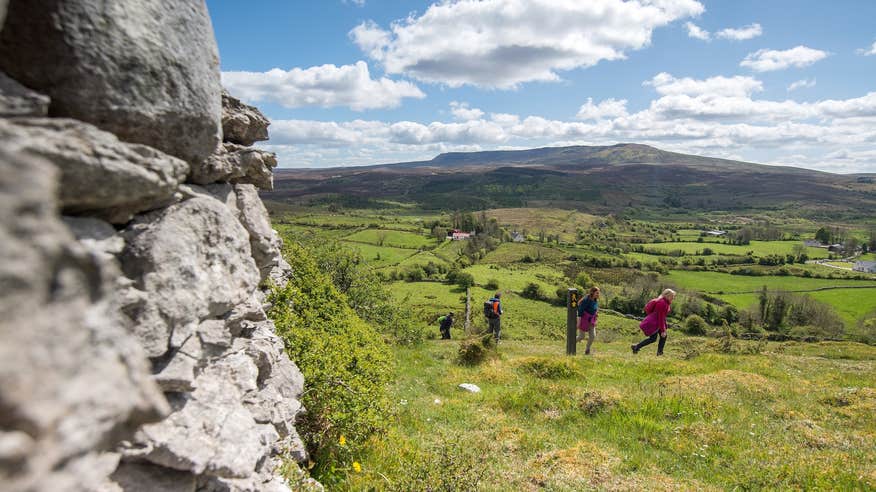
345 362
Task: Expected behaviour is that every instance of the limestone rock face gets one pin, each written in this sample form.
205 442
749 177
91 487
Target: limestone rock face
241 123
146 71
100 175
18 100
87 386
211 431
135 351
193 261
264 242
231 162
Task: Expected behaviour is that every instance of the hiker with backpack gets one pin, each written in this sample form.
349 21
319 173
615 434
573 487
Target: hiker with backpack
588 312
444 324
493 312
654 324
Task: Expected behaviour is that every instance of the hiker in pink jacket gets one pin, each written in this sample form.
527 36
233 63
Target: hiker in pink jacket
654 323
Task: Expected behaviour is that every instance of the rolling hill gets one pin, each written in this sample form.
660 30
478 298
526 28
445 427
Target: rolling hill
593 178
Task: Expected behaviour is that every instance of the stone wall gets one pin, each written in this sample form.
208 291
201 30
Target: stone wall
135 353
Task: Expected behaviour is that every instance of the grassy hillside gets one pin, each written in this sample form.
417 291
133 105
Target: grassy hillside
793 417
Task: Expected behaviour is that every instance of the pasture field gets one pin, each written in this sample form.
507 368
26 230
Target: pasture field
548 220
381 256
392 238
759 248
795 416
515 252
725 283
516 277
449 251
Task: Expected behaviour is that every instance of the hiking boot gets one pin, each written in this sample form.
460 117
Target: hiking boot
634 348
586 352
659 354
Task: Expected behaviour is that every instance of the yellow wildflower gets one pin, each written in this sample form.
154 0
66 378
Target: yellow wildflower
357 467
342 441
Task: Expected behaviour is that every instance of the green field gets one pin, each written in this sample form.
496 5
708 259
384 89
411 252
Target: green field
381 256
724 283
395 239
758 248
516 277
615 421
516 252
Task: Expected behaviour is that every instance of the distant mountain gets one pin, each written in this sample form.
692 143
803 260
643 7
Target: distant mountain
593 178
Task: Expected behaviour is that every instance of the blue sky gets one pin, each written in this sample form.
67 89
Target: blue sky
363 82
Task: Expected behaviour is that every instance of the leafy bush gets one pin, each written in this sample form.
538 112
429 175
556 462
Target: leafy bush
547 368
364 289
532 291
450 464
492 284
345 362
690 348
474 350
695 325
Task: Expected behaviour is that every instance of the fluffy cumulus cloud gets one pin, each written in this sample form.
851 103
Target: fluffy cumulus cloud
801 84
500 44
867 51
696 32
461 111
770 60
326 85
741 33
735 34
716 116
610 108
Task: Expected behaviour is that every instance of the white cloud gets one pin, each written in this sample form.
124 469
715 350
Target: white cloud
739 34
695 31
769 60
462 112
801 84
867 51
716 116
496 43
325 85
738 85
609 108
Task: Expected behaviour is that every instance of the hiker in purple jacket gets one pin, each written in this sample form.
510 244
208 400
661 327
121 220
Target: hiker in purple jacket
654 323
588 312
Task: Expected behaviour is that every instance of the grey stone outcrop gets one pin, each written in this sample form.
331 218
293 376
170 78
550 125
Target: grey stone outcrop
73 381
100 176
145 71
241 123
263 240
18 100
192 260
238 164
135 351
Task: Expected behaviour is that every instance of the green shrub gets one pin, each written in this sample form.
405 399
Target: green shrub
695 325
464 280
547 368
364 289
345 363
475 350
492 284
690 348
448 465
532 291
